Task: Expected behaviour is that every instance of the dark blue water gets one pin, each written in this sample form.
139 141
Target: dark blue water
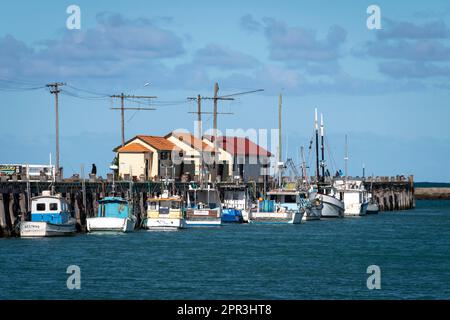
316 260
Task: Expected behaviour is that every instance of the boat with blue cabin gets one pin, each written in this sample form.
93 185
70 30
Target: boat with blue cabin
204 208
236 204
50 216
280 206
114 214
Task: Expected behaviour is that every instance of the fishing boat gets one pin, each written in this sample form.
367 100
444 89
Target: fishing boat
236 204
311 204
50 216
372 207
204 208
114 214
281 206
354 196
165 212
332 206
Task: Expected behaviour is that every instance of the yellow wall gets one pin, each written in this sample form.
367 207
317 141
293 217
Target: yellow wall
132 164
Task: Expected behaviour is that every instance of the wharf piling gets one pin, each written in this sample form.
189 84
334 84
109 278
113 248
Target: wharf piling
391 193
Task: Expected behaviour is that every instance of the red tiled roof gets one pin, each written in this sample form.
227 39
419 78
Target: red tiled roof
241 146
159 143
133 148
192 141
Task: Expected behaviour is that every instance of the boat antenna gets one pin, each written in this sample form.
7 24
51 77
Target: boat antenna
52 185
280 156
113 168
346 161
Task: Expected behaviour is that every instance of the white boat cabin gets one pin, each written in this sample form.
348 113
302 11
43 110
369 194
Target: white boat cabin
49 208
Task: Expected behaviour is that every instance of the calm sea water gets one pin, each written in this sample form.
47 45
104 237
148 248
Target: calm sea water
316 260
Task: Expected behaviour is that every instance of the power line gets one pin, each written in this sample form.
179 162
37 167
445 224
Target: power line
122 109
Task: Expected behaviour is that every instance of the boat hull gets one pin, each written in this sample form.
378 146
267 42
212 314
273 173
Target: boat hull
164 224
30 229
232 216
372 208
276 217
312 214
332 207
203 223
111 224
356 209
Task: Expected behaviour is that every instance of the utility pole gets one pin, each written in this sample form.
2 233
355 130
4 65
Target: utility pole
122 109
215 112
216 91
54 89
199 117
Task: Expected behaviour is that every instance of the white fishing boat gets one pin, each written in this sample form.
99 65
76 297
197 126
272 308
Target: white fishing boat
204 208
165 213
354 196
372 207
281 206
236 204
332 206
114 214
50 216
311 204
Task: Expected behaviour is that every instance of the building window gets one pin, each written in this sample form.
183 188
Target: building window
175 205
40 207
164 155
153 205
290 199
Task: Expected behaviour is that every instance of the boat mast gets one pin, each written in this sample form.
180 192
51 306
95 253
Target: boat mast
322 147
346 162
316 125
304 173
280 158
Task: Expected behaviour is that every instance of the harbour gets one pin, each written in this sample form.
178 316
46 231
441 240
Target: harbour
243 152
82 195
323 260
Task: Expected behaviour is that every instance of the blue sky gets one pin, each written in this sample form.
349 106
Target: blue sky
387 89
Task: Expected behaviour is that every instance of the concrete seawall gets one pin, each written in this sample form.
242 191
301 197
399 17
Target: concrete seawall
432 193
